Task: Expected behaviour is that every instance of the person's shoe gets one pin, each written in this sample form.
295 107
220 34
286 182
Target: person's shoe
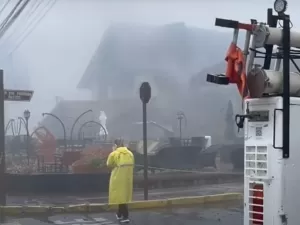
124 221
118 217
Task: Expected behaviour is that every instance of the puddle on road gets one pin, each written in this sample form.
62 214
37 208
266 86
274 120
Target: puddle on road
216 211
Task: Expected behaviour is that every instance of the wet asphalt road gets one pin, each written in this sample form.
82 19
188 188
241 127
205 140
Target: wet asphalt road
226 214
138 195
212 215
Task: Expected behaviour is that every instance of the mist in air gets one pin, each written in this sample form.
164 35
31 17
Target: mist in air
49 48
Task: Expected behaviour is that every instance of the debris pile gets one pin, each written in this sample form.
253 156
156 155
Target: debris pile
93 160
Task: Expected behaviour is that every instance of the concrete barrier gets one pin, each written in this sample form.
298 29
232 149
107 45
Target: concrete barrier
185 201
98 183
37 211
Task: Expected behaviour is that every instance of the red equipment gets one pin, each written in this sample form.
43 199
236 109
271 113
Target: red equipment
46 146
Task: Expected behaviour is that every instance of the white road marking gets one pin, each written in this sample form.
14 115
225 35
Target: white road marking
107 222
99 219
90 221
11 223
82 220
60 222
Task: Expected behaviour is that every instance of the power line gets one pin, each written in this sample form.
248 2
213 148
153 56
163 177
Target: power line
33 8
34 26
4 6
13 18
3 24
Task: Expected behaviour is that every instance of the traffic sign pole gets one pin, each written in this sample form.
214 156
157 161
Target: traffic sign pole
2 144
7 95
145 95
145 151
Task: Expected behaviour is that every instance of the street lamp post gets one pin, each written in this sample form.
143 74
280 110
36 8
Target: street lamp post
180 117
75 122
62 124
94 122
26 115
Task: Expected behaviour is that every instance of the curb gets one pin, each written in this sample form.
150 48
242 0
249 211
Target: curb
185 201
21 211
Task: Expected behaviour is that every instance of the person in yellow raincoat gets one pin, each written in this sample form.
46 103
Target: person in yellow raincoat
121 163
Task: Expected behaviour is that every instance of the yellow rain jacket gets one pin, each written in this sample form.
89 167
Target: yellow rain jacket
121 162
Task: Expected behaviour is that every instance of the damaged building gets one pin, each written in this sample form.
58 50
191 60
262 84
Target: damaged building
172 58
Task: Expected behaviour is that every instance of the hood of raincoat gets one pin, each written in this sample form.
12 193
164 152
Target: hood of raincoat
122 149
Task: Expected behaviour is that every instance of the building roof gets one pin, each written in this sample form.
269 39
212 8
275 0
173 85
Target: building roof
172 49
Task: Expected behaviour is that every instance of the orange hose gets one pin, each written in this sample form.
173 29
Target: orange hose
235 70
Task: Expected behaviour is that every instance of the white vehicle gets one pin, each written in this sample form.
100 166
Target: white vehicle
271 120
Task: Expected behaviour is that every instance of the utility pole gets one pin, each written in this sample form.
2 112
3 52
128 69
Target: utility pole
286 84
7 95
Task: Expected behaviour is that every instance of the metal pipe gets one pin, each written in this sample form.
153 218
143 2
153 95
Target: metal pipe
286 86
277 61
62 124
72 129
246 48
274 36
95 122
20 126
27 141
9 123
235 36
180 117
272 22
23 120
2 143
145 151
15 127
180 130
250 63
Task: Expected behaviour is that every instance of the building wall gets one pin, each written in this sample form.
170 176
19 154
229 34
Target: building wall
123 87
99 91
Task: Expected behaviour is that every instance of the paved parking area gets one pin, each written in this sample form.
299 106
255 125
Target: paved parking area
225 214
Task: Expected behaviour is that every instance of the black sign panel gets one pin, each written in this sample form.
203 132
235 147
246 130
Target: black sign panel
145 92
259 116
18 95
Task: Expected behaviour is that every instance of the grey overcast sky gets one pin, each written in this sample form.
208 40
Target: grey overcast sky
54 56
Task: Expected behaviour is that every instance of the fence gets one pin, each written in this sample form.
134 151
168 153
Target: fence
98 183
